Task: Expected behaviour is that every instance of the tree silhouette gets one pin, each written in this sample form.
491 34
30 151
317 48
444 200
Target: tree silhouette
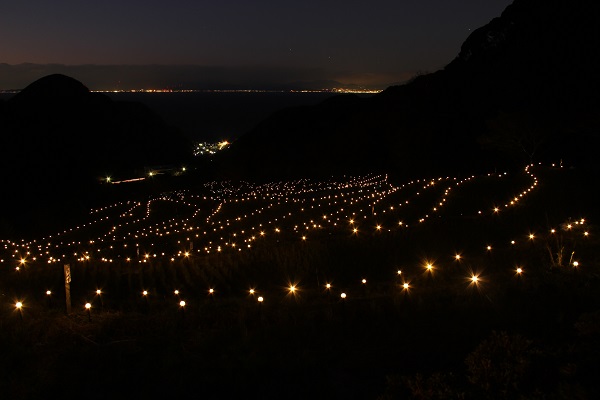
517 134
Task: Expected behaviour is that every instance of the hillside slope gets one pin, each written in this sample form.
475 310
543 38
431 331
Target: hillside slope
531 69
58 139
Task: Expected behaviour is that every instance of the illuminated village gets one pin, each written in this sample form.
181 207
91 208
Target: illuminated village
208 149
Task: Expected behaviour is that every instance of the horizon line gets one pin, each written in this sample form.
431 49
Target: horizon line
333 90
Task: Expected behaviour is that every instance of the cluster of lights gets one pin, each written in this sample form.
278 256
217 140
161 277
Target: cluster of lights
205 148
350 199
231 216
293 289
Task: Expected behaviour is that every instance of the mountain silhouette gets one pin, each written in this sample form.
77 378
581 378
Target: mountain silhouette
52 87
534 63
58 139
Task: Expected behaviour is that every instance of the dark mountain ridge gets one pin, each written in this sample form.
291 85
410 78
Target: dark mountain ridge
58 140
534 63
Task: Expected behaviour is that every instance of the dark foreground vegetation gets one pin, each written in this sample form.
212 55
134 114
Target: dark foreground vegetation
534 334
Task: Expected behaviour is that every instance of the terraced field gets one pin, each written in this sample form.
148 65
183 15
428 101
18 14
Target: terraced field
249 273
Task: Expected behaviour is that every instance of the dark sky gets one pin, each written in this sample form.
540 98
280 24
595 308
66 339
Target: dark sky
366 42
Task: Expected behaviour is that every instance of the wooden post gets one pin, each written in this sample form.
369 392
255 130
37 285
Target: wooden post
68 287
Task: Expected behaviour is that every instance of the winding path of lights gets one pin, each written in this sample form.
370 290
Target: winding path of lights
230 217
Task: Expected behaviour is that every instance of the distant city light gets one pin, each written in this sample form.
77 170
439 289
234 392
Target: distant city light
209 149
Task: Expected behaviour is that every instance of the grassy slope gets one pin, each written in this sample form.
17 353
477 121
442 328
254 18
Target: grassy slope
317 345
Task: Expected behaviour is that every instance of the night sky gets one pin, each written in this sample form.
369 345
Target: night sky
371 43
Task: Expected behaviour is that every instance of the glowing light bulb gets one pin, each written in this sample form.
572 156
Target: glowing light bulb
182 303
343 295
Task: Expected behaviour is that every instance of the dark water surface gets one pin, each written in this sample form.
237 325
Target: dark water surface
211 116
